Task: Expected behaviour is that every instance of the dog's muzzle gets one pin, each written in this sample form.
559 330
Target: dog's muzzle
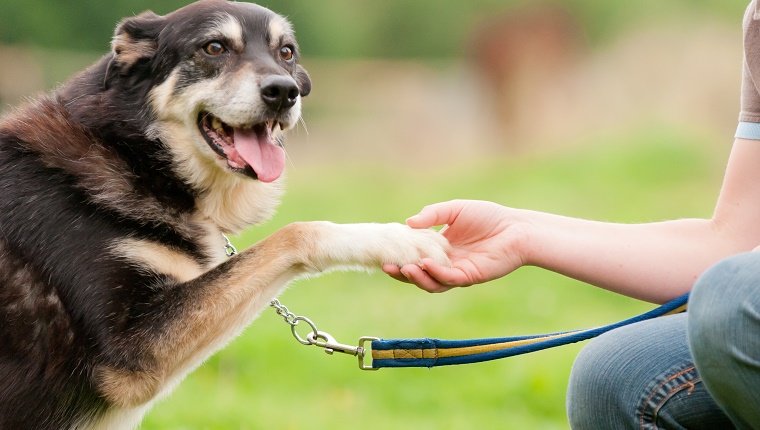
252 148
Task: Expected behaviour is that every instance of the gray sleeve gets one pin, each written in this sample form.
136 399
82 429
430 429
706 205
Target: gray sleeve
750 98
749 118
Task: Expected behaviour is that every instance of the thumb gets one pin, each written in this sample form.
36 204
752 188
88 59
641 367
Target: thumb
436 214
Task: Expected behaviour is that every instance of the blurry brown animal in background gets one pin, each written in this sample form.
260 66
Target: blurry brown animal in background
520 50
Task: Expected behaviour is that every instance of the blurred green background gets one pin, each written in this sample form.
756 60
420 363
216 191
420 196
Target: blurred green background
619 111
343 28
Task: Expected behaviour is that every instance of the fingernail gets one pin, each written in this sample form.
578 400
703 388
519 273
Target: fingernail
405 273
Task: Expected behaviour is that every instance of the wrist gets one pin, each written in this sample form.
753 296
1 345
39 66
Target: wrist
522 234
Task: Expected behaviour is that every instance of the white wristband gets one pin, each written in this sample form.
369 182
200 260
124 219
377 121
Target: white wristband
748 130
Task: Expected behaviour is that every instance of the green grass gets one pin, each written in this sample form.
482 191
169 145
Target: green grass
265 380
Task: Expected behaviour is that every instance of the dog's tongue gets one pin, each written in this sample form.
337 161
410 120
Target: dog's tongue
261 153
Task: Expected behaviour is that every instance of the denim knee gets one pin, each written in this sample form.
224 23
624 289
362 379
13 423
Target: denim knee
594 387
641 377
717 300
724 335
631 378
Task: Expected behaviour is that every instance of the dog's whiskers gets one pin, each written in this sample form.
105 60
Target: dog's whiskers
303 124
288 158
287 155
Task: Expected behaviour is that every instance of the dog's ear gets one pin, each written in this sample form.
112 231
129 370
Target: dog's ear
135 41
303 80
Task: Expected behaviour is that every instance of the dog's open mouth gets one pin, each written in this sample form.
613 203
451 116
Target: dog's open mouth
251 150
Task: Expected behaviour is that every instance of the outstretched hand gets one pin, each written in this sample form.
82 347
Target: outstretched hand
484 242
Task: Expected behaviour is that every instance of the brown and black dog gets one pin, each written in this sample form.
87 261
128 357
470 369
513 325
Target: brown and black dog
115 192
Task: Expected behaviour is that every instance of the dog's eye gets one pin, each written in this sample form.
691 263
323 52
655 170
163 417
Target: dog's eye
214 48
286 53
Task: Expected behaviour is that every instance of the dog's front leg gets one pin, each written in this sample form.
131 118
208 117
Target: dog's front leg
188 322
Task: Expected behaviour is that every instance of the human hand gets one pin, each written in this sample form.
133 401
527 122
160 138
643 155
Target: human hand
485 242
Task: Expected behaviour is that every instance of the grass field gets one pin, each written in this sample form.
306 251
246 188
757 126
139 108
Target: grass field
265 380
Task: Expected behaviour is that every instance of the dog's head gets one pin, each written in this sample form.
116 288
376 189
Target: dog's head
222 82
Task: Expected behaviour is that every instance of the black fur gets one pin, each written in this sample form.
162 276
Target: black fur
67 305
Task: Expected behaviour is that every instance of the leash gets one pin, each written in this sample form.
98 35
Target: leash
437 352
427 352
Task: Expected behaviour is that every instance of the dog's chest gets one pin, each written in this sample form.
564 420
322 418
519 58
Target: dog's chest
210 249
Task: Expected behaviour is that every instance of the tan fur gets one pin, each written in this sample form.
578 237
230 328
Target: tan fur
128 51
229 27
278 28
155 256
127 389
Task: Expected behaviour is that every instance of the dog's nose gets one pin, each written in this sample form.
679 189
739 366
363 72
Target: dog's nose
279 92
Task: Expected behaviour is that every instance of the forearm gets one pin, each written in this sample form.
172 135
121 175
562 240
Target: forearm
655 261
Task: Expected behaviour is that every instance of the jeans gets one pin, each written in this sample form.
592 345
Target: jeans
699 370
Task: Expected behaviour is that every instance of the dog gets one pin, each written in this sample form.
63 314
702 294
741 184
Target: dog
116 191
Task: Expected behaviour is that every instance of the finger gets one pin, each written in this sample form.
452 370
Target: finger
421 279
451 276
436 214
394 272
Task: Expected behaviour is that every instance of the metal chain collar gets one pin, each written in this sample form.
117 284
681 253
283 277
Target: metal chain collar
315 337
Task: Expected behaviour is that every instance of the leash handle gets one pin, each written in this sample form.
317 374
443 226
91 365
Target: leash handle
437 352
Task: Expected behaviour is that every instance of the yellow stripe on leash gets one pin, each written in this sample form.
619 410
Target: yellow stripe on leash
458 352
426 352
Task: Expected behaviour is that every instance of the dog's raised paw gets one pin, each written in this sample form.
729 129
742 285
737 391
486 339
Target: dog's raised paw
410 246
372 245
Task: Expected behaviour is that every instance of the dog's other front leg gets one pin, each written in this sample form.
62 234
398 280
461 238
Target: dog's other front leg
185 323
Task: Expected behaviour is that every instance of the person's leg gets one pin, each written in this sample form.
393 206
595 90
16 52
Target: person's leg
641 377
724 335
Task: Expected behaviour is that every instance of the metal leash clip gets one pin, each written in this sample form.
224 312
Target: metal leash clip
315 337
320 338
330 345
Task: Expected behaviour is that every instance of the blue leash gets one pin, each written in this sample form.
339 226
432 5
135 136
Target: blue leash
438 352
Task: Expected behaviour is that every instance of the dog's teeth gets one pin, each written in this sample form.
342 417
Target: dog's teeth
216 123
